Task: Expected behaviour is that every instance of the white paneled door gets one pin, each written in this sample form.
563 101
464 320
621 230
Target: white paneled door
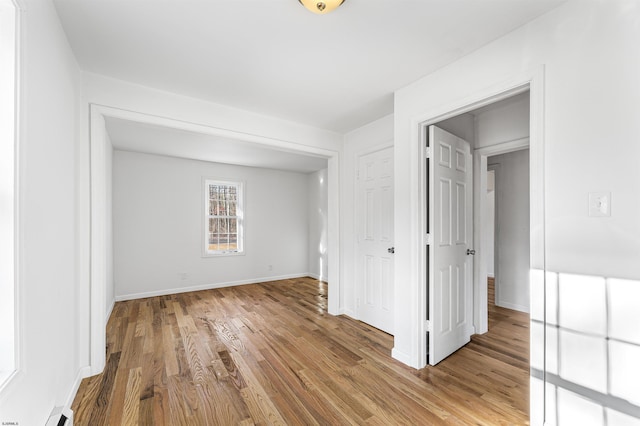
450 251
374 221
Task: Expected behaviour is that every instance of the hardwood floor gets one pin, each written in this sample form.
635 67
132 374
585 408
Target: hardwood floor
270 354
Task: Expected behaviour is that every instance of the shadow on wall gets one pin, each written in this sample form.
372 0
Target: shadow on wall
591 360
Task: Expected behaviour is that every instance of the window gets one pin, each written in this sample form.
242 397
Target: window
223 217
8 91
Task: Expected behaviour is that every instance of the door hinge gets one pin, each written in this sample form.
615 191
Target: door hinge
427 152
427 239
427 326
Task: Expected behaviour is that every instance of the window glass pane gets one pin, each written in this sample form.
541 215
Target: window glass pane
223 220
231 209
213 242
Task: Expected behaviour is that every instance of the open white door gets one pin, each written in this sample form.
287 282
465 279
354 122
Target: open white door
450 253
374 218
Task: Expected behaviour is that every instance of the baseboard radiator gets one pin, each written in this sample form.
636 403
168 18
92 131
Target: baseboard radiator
60 417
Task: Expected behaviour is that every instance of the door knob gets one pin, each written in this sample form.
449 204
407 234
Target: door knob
471 252
391 250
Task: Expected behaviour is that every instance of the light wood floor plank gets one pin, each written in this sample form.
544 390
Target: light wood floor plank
270 354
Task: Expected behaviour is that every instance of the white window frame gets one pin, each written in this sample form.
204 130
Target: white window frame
9 112
206 252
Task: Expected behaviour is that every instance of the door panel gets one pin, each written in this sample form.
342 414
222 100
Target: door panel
450 283
444 220
374 218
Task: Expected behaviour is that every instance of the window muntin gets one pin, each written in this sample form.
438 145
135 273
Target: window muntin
223 212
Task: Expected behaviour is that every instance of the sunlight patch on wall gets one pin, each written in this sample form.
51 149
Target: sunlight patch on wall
585 344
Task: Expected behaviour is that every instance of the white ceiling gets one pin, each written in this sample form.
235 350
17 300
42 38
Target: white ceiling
133 136
335 71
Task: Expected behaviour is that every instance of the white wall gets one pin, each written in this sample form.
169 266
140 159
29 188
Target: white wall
512 229
8 195
505 121
51 346
317 192
373 136
586 52
158 225
463 126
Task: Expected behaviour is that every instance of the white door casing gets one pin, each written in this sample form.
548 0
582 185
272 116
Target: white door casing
374 221
451 229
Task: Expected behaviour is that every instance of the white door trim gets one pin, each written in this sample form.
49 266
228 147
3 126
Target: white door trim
533 80
98 244
98 210
480 163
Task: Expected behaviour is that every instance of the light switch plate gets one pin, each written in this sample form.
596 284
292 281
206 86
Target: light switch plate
599 204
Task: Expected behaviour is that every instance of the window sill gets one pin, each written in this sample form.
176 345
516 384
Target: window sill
223 254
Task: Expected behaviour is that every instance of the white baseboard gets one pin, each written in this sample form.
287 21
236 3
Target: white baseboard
165 292
401 356
318 277
66 409
83 373
113 303
349 312
512 306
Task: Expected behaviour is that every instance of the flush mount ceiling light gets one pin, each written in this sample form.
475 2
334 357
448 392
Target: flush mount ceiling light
321 6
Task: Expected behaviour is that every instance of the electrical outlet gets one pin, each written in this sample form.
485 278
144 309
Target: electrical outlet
599 204
183 276
270 267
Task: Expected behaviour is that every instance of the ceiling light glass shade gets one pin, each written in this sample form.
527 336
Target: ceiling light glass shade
321 6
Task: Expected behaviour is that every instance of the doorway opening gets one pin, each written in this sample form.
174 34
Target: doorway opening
99 220
499 134
499 244
505 230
